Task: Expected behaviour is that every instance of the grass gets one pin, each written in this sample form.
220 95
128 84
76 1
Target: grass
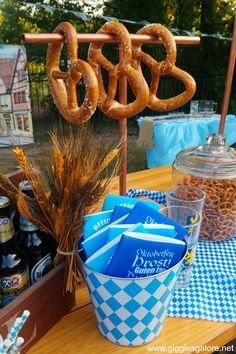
105 129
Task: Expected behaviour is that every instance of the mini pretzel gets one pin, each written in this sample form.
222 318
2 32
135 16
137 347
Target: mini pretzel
107 102
64 93
219 212
166 67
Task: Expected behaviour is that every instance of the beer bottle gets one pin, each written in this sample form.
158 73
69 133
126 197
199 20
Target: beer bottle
14 274
36 245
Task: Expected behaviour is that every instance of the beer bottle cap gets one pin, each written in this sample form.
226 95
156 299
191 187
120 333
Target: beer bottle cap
25 186
4 202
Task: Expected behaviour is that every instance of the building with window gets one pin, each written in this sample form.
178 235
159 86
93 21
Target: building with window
15 110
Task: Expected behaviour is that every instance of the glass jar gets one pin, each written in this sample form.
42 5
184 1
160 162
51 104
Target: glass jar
212 167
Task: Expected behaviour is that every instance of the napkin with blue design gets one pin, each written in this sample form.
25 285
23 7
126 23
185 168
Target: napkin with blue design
131 239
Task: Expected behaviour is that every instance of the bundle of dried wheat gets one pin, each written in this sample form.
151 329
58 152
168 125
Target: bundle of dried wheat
65 190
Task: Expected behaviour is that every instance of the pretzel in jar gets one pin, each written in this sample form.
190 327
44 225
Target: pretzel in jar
63 84
158 69
219 211
107 102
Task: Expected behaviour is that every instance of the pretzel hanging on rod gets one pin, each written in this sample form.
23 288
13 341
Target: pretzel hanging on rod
65 97
63 84
166 67
107 102
59 38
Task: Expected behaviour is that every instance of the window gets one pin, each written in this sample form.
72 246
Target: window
23 96
4 101
15 98
20 97
19 123
26 123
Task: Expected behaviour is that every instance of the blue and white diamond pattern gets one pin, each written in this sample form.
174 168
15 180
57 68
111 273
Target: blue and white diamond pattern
158 197
131 311
212 292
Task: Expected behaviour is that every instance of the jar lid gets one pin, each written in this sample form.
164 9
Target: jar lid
213 160
4 202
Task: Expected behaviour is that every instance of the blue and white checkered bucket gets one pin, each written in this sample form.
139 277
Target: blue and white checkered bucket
131 311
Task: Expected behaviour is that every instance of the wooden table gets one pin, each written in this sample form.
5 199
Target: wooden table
76 333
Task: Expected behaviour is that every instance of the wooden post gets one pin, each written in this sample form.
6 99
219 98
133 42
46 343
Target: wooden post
229 79
123 133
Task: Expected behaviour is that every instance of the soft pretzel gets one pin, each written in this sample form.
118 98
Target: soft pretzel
63 84
107 102
166 67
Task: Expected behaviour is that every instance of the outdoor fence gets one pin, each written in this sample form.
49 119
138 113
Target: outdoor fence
206 62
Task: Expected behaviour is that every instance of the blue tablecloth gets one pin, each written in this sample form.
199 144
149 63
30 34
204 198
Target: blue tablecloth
173 135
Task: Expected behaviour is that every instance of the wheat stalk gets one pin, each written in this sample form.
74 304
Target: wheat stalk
107 160
22 160
9 189
65 189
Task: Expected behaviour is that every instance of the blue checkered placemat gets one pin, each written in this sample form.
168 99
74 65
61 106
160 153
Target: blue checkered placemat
212 292
159 197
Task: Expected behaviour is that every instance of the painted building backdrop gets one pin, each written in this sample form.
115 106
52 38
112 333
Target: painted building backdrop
15 111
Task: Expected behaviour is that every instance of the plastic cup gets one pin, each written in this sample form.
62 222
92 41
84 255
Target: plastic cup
191 220
131 311
186 196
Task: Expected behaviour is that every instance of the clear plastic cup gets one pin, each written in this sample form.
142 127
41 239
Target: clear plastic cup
186 196
191 220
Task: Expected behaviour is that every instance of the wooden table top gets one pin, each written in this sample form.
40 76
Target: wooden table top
77 332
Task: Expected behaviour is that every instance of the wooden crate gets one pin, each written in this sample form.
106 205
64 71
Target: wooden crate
47 304
45 300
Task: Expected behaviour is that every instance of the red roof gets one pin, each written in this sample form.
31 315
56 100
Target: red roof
7 67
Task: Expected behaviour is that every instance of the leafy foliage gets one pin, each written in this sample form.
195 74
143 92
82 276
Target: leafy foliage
199 16
204 16
141 10
19 17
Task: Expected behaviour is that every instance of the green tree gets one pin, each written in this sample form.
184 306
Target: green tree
208 16
181 14
11 22
19 17
153 11
215 16
201 16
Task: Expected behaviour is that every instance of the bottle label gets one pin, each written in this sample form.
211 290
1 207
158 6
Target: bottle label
6 229
26 225
38 269
12 286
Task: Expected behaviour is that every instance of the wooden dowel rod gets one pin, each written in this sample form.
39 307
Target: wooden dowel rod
123 132
31 38
229 79
123 155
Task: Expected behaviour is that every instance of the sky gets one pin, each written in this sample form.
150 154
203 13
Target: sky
8 51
